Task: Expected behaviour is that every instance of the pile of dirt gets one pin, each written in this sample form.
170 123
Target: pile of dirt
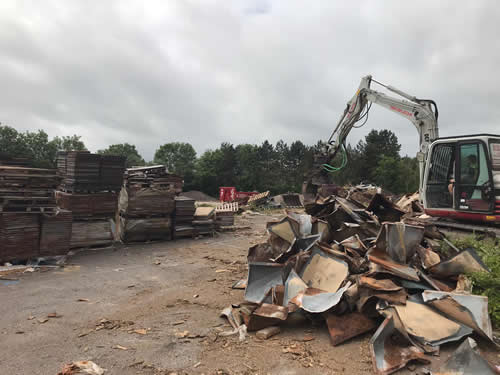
198 196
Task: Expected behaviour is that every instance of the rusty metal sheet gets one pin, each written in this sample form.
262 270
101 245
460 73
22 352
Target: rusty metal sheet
321 227
317 301
300 244
272 311
368 299
470 310
383 259
466 360
435 284
464 262
399 240
261 278
240 284
293 286
385 285
355 243
416 316
345 327
323 271
265 252
384 209
285 230
391 350
428 257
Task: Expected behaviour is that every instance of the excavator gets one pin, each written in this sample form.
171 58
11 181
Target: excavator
459 176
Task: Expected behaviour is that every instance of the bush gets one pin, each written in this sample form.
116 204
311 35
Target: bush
487 284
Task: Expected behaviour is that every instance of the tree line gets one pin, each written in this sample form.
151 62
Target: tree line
279 167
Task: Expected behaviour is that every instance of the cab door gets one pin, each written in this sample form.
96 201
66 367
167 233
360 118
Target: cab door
473 183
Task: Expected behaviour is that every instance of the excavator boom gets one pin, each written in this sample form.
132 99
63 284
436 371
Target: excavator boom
421 112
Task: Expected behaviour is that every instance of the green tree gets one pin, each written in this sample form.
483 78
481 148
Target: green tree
376 145
11 143
133 158
69 143
179 158
41 151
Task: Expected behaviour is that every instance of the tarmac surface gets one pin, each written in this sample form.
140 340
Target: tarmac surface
154 309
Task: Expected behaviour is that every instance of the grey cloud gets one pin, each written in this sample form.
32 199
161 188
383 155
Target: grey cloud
242 71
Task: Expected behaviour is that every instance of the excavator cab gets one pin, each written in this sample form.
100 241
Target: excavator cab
462 178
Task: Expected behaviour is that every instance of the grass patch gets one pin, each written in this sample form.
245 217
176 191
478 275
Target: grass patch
486 284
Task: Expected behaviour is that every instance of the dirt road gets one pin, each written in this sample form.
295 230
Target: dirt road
154 309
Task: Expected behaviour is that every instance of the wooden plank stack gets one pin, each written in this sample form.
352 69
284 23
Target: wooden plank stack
30 223
91 233
19 236
146 204
89 189
85 172
184 216
27 189
55 233
204 220
100 205
224 214
155 177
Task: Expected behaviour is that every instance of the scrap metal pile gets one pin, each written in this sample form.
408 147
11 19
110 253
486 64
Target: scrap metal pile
147 203
353 262
89 189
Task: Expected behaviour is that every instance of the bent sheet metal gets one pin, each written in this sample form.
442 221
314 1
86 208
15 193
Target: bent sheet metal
469 310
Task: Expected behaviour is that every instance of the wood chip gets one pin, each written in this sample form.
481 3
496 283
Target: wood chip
120 347
178 322
54 315
140 331
83 300
182 335
43 320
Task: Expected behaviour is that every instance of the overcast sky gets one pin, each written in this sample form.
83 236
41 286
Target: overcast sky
206 72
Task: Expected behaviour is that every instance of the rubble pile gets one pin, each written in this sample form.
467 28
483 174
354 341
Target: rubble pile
147 203
89 189
356 264
30 223
184 216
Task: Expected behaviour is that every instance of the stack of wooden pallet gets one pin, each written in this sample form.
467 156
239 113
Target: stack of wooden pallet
89 190
146 204
184 216
204 220
27 189
155 177
30 223
19 236
224 214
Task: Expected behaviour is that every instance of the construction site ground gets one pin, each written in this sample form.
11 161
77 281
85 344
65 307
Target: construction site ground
153 308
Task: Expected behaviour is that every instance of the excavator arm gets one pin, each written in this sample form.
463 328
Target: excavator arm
421 112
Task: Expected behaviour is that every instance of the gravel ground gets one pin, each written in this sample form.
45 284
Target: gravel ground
154 309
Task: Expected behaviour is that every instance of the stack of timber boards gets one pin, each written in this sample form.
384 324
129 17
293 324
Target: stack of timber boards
146 204
19 236
89 189
83 171
27 189
153 177
85 206
204 220
184 216
55 233
91 233
25 235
